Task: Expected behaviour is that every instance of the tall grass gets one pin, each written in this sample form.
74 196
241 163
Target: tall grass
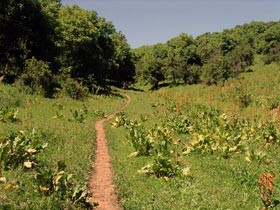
216 182
69 141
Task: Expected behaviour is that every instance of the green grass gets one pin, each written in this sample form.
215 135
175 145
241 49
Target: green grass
68 141
215 182
262 85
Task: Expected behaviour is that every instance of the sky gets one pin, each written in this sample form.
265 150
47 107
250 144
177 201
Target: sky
146 22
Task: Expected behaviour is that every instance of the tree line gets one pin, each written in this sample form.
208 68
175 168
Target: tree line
50 47
211 58
47 45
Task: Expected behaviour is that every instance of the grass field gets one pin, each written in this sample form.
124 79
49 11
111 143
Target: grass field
216 180
70 139
211 144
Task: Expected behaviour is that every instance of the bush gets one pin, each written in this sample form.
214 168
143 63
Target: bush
273 55
38 77
245 100
74 89
273 102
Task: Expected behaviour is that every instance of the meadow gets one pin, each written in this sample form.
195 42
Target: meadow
58 174
183 147
200 132
201 147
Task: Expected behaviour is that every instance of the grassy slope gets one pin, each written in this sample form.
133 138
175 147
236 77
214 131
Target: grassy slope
68 141
262 85
217 183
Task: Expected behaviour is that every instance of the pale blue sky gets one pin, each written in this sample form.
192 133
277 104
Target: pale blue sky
151 21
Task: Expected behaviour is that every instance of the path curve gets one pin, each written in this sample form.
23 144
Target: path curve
101 181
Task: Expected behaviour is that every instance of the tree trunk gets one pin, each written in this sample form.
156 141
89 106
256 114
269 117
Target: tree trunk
174 78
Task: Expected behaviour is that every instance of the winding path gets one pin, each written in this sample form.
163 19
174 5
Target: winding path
101 181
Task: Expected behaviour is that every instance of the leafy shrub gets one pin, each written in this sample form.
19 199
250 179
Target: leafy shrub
159 143
8 114
273 102
55 181
38 77
139 138
74 89
79 115
166 157
162 166
99 113
273 55
120 120
179 124
20 148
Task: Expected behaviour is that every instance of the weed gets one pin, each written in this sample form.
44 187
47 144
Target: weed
79 115
266 185
8 114
99 113
20 149
120 120
56 181
139 138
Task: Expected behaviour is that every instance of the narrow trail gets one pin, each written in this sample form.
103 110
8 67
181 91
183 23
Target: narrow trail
101 181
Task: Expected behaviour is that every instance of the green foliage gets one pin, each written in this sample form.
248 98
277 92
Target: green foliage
236 145
120 120
26 31
157 142
20 149
68 141
8 114
38 77
165 153
99 113
92 49
244 97
273 55
139 138
37 35
273 102
55 181
150 64
123 66
79 115
74 89
216 69
210 130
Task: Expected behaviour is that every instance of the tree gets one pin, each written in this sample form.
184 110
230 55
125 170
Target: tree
123 69
273 55
240 58
87 50
150 65
227 44
178 54
25 31
217 69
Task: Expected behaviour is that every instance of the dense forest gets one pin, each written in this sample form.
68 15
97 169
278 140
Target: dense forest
48 47
209 58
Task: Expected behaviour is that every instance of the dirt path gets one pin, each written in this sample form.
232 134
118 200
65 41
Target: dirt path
101 181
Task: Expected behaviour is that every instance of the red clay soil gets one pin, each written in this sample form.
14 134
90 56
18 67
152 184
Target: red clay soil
101 181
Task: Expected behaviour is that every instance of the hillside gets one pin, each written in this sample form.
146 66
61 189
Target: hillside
199 128
199 146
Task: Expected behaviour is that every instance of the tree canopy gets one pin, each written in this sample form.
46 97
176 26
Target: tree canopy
80 47
74 42
211 57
